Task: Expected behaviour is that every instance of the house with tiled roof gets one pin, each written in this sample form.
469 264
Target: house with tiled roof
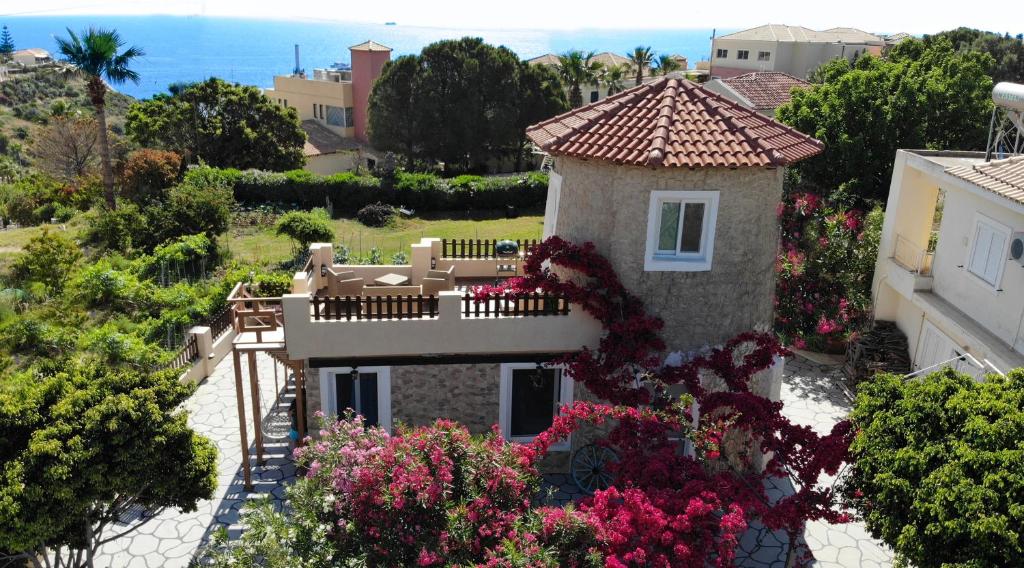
795 50
597 91
950 267
675 185
763 91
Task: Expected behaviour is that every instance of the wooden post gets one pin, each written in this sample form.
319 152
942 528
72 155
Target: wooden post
257 416
240 396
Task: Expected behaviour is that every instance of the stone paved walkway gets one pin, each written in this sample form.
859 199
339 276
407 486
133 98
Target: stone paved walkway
812 396
811 393
171 539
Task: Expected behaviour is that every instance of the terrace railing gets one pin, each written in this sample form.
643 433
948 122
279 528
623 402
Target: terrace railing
478 248
912 256
221 323
186 356
359 308
496 305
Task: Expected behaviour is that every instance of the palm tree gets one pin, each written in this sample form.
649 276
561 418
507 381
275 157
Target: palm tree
576 68
665 64
640 59
95 57
612 77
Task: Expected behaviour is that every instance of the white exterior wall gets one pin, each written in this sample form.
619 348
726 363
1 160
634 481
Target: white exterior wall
979 319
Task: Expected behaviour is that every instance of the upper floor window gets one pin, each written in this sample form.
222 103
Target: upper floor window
340 116
743 54
593 96
681 230
315 115
764 55
722 53
989 250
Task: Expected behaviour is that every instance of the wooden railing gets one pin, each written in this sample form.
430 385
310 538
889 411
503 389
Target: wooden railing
478 248
495 305
350 308
188 354
221 323
254 314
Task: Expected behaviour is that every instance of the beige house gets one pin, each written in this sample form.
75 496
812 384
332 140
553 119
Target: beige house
675 185
598 91
951 260
335 100
795 50
31 57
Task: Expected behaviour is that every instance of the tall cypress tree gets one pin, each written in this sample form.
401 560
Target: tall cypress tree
6 44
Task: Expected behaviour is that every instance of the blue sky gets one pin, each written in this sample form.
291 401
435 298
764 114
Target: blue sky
883 16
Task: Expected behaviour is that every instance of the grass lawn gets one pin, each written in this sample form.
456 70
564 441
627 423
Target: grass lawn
259 244
13 240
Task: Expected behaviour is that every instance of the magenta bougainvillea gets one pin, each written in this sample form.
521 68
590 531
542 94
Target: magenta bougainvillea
437 496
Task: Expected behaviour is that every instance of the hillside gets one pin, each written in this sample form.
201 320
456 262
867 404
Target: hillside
26 100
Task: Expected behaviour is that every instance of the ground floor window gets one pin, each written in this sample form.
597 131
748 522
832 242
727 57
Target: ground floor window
365 390
531 395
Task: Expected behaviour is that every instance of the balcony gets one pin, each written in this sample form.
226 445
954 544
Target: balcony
910 267
426 308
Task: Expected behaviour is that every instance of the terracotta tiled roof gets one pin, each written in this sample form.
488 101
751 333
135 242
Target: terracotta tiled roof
672 123
1004 177
321 140
370 45
765 89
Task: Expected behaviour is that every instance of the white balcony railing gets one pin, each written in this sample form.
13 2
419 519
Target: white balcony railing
912 257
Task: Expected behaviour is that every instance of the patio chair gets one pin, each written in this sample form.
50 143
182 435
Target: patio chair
344 283
447 275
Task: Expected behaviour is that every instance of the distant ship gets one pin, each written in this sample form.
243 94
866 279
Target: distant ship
390 24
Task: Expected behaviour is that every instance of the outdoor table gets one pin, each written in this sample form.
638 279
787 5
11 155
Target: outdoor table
391 280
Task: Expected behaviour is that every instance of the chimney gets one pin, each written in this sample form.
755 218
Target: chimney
298 68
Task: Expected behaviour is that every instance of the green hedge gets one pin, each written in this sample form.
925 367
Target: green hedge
347 193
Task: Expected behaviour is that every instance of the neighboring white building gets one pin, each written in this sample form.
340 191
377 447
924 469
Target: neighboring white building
954 281
31 57
795 50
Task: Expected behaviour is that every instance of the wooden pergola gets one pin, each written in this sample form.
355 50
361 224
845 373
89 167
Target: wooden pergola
259 328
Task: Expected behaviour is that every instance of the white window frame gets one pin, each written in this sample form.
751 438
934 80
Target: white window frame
721 53
764 56
742 54
655 261
329 393
1006 232
565 396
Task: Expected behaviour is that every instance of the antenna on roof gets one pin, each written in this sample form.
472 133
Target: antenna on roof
1006 130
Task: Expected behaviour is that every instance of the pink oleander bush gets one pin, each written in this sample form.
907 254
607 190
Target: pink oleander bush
826 259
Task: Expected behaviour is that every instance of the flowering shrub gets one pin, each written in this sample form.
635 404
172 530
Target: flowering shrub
826 258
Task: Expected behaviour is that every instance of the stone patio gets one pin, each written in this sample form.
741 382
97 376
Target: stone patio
812 395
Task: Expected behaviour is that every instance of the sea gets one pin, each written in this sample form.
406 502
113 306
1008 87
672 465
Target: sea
252 51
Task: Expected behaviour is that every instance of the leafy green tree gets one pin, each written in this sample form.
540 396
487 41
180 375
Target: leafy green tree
1007 52
6 44
220 124
457 102
306 227
394 121
577 69
542 98
95 56
640 59
919 97
664 65
85 445
938 467
48 258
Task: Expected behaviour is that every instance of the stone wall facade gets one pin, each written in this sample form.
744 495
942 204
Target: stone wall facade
465 393
608 205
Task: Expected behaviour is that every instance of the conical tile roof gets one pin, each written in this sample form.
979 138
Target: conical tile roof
672 123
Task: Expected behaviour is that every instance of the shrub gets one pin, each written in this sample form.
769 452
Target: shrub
29 200
825 264
939 467
146 174
193 208
273 284
348 192
376 215
123 229
306 228
48 258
